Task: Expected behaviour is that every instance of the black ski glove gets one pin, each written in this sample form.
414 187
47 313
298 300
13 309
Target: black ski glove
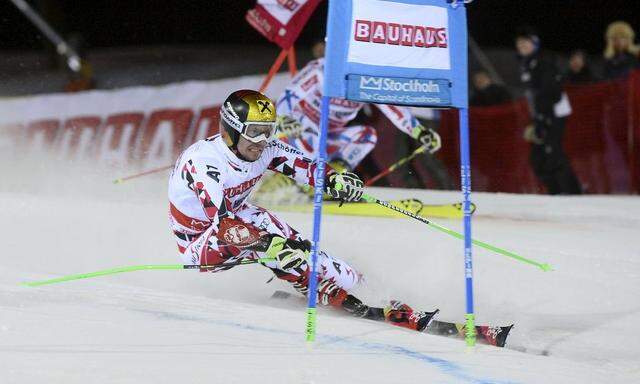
345 186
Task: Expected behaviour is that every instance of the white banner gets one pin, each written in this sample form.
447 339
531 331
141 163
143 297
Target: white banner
282 10
146 125
399 35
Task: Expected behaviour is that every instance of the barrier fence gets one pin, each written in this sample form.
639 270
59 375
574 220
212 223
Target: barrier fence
144 128
602 141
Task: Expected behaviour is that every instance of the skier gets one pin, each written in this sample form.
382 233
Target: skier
299 119
214 224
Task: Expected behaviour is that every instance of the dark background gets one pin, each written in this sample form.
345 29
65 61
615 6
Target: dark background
562 25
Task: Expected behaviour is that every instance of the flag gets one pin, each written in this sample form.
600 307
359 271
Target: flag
281 21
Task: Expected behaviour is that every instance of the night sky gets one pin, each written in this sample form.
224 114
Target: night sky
562 25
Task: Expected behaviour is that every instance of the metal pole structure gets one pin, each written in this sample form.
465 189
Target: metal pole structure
64 49
317 219
465 175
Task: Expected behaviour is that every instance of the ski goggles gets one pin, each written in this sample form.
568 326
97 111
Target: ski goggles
254 131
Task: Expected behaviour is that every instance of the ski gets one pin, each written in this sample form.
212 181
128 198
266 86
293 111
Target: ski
414 206
486 334
492 335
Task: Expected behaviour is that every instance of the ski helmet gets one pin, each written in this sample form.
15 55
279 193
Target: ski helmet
250 114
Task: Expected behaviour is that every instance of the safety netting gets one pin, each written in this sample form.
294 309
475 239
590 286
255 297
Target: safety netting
602 141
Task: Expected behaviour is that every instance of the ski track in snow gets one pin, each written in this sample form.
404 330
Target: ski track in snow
118 298
165 326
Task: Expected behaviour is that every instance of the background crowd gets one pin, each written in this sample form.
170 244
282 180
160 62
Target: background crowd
542 77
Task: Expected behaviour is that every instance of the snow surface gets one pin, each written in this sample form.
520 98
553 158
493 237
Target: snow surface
577 324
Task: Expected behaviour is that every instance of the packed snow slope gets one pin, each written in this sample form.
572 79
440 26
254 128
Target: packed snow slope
576 324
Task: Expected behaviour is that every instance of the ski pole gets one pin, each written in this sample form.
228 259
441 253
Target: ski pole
544 266
396 165
155 170
123 179
113 271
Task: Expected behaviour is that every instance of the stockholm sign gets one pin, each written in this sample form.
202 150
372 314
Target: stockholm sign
397 90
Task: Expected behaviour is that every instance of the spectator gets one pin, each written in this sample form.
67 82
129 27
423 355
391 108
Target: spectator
549 108
317 50
486 92
621 55
579 71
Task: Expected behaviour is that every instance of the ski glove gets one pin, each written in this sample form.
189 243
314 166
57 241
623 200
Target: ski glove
289 253
531 135
345 186
289 259
289 126
427 137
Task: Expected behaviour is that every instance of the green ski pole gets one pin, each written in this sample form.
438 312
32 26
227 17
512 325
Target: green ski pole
543 266
113 271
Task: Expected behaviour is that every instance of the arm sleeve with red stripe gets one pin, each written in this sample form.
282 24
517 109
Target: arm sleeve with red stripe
401 117
292 163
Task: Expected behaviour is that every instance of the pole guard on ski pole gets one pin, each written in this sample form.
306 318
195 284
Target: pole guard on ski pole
113 271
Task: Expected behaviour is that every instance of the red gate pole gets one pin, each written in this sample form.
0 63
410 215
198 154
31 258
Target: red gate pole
273 70
291 56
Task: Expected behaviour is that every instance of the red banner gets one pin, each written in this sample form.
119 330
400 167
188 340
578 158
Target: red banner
281 21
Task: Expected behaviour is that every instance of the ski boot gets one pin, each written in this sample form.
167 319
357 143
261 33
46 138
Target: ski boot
402 315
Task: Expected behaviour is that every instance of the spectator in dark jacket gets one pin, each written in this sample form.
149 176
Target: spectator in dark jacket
621 55
486 92
579 71
549 109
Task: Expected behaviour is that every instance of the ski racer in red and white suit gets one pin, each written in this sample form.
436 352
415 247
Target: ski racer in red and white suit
346 144
210 183
215 225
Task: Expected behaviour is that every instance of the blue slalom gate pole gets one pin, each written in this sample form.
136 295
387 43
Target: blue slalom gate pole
317 220
465 175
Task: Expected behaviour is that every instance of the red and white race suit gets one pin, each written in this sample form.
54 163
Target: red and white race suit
210 183
302 100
